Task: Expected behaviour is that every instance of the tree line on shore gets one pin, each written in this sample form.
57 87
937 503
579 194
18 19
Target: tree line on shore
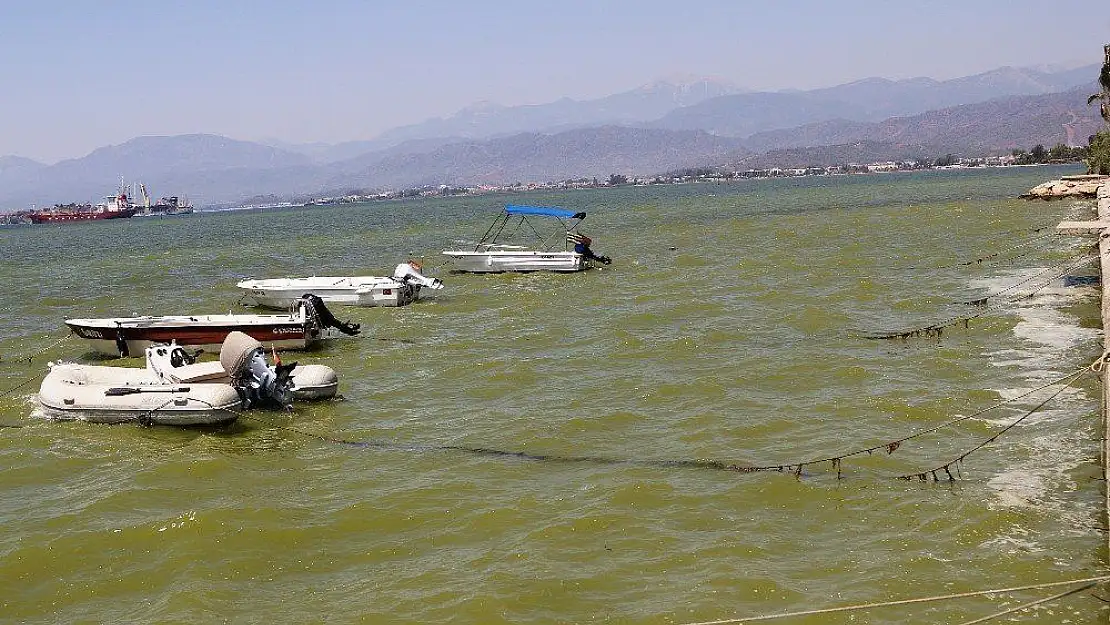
1098 146
1059 153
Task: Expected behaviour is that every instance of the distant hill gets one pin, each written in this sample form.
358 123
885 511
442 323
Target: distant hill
996 126
486 120
15 164
873 99
880 98
530 156
14 170
200 166
860 152
745 114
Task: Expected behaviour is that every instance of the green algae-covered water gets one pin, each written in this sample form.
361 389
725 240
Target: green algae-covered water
729 327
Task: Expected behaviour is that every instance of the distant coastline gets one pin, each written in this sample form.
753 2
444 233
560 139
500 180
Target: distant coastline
702 175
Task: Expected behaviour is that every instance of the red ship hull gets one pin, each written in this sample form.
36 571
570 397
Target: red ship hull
69 216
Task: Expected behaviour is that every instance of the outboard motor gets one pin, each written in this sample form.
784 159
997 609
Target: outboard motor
243 366
409 273
260 384
321 318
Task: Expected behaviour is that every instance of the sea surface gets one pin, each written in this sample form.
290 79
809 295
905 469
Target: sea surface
555 448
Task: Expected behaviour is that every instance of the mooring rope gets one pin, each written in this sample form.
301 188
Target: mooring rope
988 257
937 329
885 604
1044 226
1072 263
700 463
146 418
891 446
42 351
1031 604
947 467
18 386
12 390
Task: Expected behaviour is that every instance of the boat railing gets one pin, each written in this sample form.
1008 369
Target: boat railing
495 247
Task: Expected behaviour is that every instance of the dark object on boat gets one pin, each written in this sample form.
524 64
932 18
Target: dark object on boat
324 317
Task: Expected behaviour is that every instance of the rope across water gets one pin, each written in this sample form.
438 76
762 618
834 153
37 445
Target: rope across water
1087 583
795 467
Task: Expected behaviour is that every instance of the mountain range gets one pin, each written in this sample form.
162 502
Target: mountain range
659 127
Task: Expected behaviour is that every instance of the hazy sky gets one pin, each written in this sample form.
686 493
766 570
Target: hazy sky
86 73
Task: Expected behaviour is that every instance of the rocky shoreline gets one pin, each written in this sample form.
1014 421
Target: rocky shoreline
1080 186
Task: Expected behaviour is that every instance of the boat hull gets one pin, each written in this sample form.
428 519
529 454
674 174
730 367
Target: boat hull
78 393
352 291
130 336
69 216
500 261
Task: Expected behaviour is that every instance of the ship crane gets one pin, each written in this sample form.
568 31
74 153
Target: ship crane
146 196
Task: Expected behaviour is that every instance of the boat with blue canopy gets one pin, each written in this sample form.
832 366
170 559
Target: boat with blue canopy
514 242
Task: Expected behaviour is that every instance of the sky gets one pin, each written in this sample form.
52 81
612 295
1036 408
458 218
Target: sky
81 74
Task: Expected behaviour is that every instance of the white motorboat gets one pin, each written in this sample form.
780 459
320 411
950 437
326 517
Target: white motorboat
175 390
401 289
502 258
309 323
564 250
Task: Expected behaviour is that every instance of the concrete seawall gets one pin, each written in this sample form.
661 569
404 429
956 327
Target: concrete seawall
1100 227
1104 269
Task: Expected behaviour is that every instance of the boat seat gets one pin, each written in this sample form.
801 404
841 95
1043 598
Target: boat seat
198 372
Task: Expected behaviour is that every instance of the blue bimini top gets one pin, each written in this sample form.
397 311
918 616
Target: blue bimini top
550 211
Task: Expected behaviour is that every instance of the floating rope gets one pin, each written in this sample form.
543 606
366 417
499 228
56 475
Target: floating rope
1031 604
49 347
1071 263
891 446
1044 226
12 390
18 386
937 329
796 468
989 257
1090 581
955 463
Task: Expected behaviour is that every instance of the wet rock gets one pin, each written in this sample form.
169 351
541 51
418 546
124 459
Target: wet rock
1083 186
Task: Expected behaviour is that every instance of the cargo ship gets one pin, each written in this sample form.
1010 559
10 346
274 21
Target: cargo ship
114 207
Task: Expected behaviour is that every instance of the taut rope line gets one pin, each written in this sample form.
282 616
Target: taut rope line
698 463
947 466
937 329
701 463
883 604
1031 604
19 386
49 347
988 257
1079 261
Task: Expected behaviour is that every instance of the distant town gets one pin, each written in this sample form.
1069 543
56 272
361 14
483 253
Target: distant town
1038 156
